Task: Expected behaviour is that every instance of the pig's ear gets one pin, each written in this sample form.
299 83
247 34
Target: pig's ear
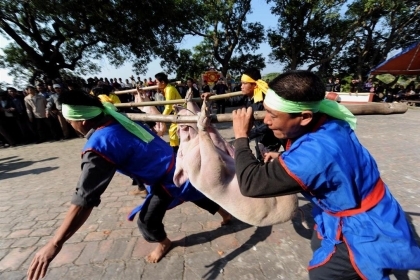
180 176
193 108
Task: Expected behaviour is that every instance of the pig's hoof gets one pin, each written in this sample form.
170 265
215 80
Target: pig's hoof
225 216
159 252
226 221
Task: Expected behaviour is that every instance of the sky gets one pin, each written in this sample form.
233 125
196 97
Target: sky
261 13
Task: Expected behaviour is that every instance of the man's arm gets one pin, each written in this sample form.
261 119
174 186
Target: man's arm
255 179
95 178
28 110
51 103
261 180
168 96
44 100
75 218
170 93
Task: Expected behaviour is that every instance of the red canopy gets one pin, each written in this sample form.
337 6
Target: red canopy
406 62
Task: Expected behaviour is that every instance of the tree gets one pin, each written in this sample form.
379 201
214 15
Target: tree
68 34
227 37
184 63
239 63
388 25
271 76
323 34
308 33
187 63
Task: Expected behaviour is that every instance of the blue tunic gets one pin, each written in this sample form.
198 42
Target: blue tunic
151 163
351 203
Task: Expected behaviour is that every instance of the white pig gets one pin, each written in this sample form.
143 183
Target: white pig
206 159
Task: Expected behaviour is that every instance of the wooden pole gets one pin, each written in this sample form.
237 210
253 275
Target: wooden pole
373 108
134 90
356 109
176 101
143 88
198 100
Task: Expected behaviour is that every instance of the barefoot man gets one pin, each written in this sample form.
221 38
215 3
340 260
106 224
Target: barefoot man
115 143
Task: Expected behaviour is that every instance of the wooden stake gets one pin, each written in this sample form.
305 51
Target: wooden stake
362 109
176 101
143 88
198 100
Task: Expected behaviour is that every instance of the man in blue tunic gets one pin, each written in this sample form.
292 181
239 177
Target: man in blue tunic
361 232
116 143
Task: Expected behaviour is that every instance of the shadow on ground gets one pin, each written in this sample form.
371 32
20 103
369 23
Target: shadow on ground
260 234
10 164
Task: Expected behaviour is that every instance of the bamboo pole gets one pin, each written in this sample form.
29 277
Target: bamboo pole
199 100
357 109
177 101
143 88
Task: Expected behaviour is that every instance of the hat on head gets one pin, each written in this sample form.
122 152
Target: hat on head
56 86
30 86
11 88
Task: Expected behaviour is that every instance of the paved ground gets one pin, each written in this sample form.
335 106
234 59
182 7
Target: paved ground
37 181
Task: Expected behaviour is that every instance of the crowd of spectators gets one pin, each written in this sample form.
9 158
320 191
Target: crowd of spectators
33 115
333 85
398 92
382 92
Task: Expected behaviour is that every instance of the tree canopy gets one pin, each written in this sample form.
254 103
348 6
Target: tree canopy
388 25
229 40
328 36
68 34
341 36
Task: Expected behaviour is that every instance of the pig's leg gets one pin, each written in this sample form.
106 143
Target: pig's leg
222 186
212 159
160 127
226 216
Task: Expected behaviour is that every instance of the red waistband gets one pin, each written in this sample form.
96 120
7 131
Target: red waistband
370 201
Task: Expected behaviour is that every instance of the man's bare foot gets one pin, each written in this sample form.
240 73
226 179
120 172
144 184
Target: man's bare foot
141 193
161 249
225 215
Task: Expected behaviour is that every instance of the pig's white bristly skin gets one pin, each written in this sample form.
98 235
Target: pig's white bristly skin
206 159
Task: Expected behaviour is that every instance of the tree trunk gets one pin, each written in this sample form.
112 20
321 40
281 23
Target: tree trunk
225 69
52 72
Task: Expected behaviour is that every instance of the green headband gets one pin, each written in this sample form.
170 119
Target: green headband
82 113
329 107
